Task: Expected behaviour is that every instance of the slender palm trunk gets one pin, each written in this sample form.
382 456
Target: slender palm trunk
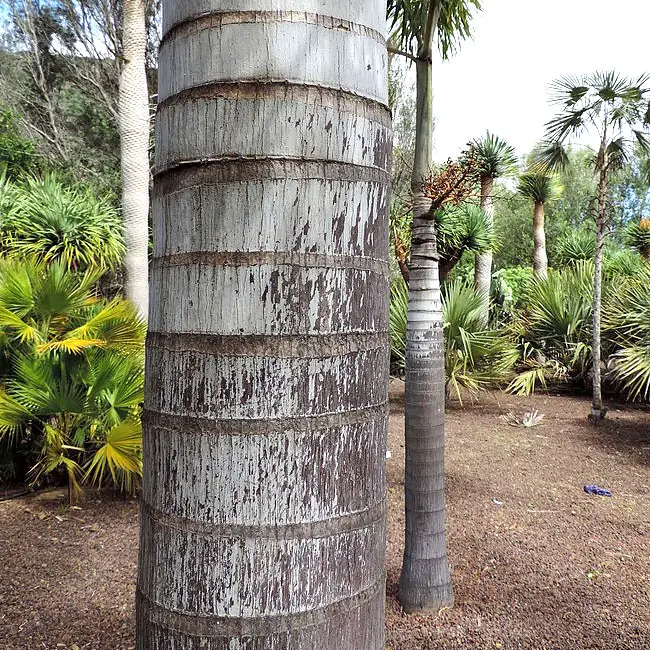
597 410
483 261
540 259
134 145
263 514
425 582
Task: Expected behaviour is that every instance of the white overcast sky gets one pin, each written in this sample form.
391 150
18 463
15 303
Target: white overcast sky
499 80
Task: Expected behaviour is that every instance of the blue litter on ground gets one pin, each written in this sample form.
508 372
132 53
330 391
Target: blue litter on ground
598 491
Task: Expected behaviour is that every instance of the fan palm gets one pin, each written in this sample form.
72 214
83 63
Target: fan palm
616 110
45 219
425 582
555 329
540 188
74 373
626 326
496 158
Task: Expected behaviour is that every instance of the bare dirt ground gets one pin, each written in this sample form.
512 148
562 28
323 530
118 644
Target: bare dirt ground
537 563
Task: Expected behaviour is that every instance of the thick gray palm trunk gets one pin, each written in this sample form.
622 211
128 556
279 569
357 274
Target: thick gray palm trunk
425 582
134 145
540 258
483 261
263 514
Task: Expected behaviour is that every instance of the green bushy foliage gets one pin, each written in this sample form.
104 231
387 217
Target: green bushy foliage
72 375
44 219
516 280
554 331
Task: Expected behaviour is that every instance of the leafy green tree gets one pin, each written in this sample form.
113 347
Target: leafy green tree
72 379
616 110
425 582
496 159
541 189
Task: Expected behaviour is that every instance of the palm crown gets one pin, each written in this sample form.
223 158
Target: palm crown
539 187
616 109
495 156
412 20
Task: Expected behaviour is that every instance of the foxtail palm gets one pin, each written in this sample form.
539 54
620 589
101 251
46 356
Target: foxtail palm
540 188
264 493
425 582
616 111
134 145
496 158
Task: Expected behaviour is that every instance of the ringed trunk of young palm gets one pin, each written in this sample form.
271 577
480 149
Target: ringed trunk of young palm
597 409
540 259
425 581
134 152
263 514
483 261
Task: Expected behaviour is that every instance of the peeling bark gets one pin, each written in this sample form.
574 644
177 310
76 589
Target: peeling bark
264 433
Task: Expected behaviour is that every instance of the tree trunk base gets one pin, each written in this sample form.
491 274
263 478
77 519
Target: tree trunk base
597 415
426 601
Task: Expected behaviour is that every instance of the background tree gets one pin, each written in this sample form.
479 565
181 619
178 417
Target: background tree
134 148
616 111
263 516
540 188
425 582
496 159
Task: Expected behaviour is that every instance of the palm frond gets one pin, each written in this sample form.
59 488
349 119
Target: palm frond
120 457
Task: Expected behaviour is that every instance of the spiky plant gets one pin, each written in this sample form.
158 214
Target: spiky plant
626 326
44 219
461 229
616 110
555 330
74 374
575 246
540 189
637 235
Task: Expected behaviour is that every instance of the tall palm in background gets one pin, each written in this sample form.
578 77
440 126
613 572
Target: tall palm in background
615 110
425 582
134 145
540 188
496 159
264 437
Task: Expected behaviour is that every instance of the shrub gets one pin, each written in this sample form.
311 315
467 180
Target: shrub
72 384
554 331
49 221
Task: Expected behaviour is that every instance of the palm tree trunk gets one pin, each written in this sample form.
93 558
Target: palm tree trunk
540 259
597 410
483 261
134 145
425 582
263 514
